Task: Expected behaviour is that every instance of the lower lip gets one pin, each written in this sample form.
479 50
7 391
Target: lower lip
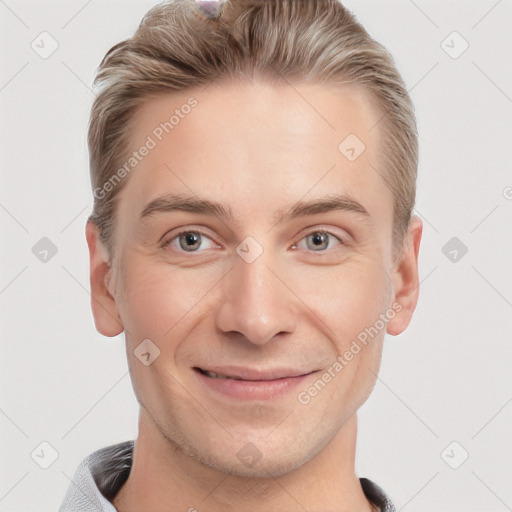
252 389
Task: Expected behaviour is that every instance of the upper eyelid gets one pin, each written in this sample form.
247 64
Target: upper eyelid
322 230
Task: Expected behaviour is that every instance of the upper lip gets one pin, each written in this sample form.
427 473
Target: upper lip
246 373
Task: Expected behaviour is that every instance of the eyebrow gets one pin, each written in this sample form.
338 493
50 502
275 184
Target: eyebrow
170 203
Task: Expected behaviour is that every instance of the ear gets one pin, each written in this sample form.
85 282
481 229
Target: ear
103 305
405 279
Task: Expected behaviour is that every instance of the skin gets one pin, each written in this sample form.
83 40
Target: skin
257 149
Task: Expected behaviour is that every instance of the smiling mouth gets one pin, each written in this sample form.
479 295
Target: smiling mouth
245 384
215 375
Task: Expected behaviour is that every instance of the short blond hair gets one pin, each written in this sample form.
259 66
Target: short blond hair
175 48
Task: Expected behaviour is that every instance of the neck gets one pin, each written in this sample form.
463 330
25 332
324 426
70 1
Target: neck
164 479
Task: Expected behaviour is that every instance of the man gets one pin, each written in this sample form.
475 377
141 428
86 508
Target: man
253 165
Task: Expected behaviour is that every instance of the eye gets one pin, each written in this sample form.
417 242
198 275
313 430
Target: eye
319 241
189 241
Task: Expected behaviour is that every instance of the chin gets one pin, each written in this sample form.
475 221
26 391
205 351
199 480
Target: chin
264 468
263 459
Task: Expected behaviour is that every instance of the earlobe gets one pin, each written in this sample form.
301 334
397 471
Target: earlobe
103 305
405 279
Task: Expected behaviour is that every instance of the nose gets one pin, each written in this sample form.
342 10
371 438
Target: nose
257 303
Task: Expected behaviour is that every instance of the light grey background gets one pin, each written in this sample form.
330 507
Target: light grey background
447 378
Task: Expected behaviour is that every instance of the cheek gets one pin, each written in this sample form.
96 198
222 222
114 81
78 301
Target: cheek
154 297
157 387
347 299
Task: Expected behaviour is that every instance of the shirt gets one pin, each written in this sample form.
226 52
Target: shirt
101 475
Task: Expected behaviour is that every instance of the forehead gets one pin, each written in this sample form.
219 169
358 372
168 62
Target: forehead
255 147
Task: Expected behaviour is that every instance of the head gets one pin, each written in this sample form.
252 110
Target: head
254 178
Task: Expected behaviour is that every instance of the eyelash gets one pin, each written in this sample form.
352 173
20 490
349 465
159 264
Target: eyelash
169 241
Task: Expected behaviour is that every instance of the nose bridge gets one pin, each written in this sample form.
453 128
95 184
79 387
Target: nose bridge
255 302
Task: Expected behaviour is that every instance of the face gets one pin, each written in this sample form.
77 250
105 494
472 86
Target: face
250 246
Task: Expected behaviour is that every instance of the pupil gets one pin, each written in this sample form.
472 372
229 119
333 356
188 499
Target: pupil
191 239
319 239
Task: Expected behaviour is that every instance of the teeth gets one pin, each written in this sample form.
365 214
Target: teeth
218 375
